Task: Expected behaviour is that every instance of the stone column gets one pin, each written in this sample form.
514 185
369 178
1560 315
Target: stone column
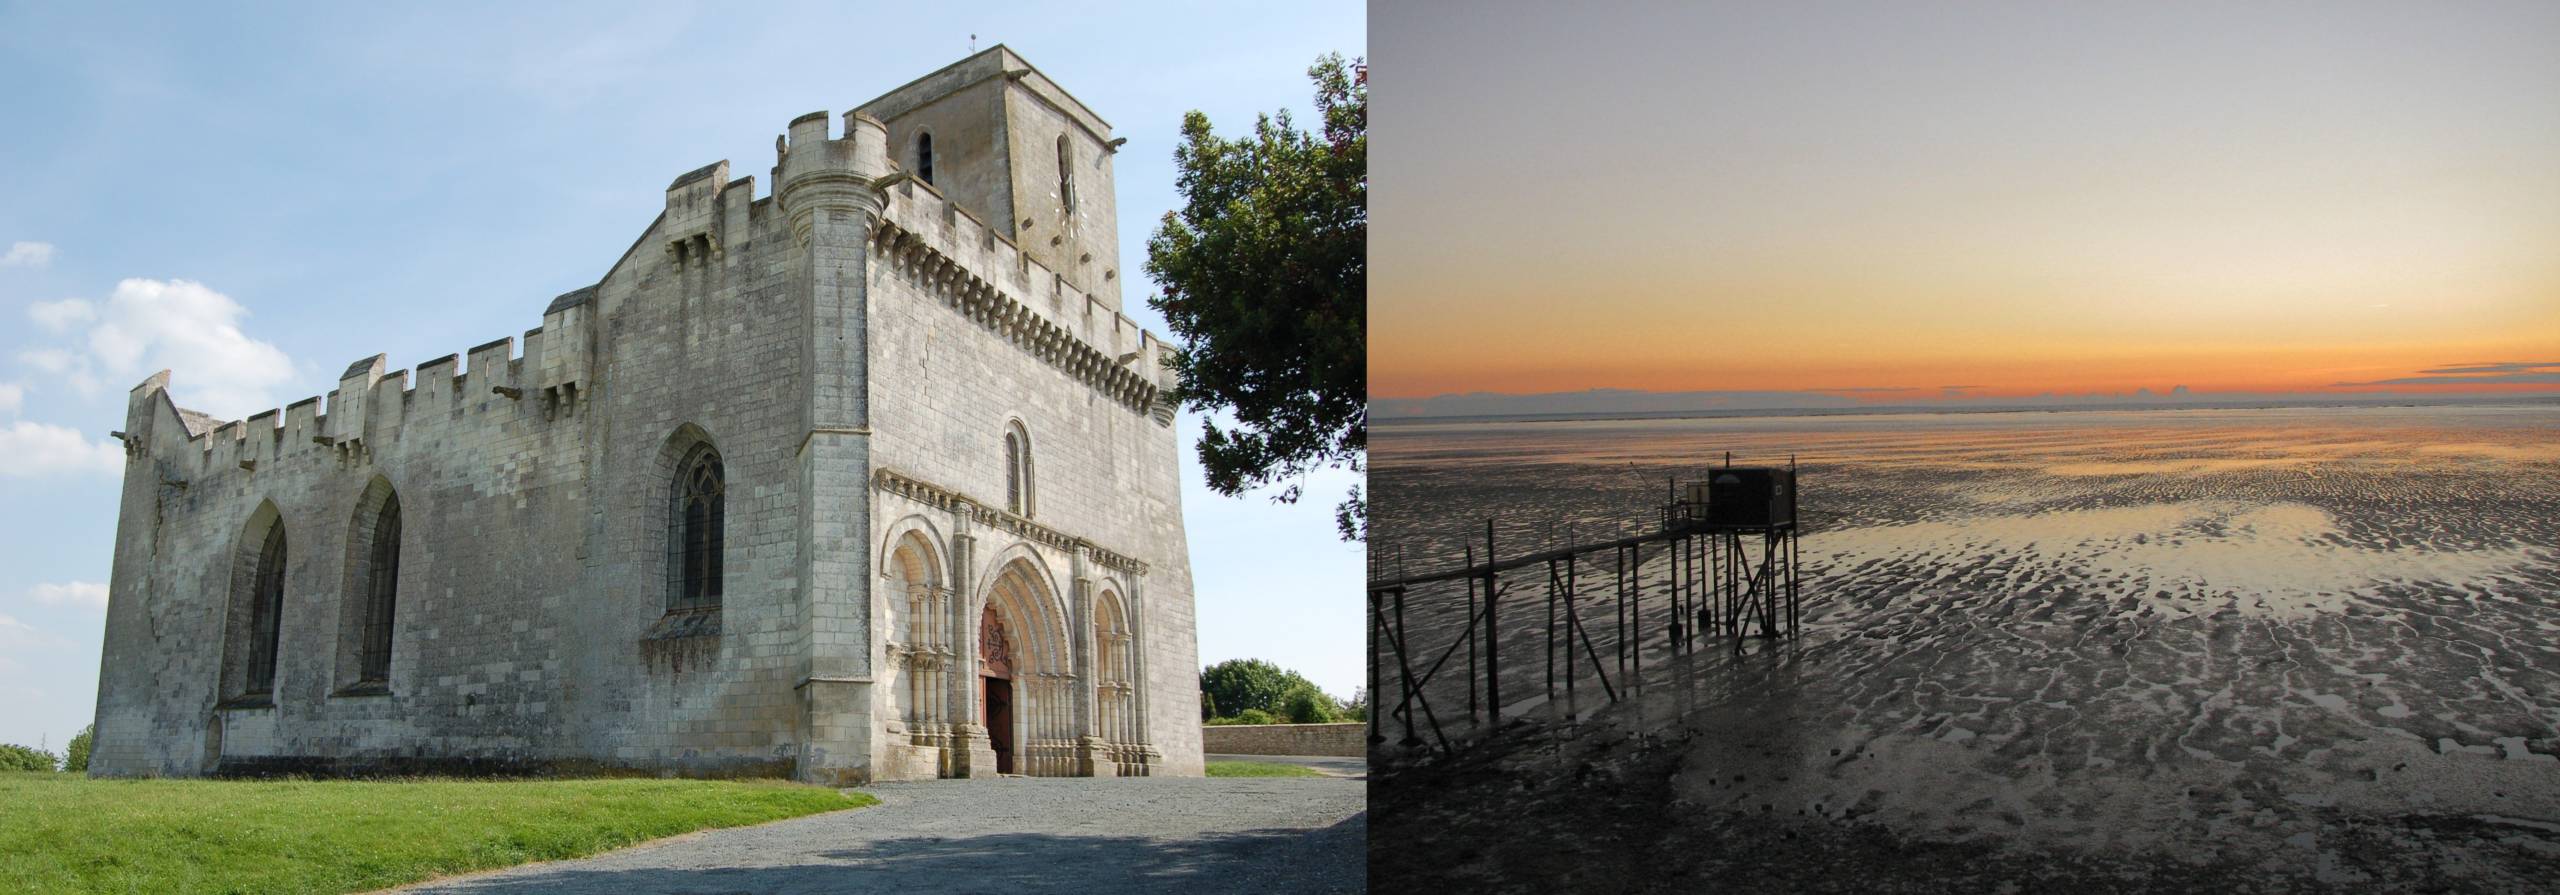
1092 756
972 754
1133 600
935 648
825 186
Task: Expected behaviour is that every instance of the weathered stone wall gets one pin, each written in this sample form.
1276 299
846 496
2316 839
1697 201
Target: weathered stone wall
1346 739
963 108
816 341
972 336
698 341
532 562
194 505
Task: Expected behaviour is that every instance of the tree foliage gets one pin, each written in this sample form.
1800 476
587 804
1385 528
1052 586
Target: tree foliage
14 757
75 754
1308 705
1237 686
1265 275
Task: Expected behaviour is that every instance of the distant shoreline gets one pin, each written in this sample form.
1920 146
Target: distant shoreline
1916 410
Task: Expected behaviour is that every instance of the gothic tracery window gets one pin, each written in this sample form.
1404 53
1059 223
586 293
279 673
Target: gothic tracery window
696 531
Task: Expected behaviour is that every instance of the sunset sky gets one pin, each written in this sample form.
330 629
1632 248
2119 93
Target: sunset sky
2016 197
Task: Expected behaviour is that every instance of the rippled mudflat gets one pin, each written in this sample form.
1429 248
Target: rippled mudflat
2319 643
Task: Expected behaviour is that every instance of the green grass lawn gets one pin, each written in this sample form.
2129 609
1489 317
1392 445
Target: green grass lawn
68 833
1259 769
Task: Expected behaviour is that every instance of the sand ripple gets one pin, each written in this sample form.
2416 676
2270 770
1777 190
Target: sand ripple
2214 635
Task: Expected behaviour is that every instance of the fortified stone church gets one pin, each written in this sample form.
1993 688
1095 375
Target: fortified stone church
867 477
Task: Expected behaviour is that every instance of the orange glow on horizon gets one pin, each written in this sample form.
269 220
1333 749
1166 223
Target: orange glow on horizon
1436 367
2021 199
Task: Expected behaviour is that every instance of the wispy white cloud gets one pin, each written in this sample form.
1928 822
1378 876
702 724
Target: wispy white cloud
38 450
13 397
89 594
61 316
28 254
178 325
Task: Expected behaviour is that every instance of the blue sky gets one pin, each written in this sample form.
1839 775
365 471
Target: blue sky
256 198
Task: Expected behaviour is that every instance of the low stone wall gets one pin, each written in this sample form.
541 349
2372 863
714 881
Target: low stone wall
1347 739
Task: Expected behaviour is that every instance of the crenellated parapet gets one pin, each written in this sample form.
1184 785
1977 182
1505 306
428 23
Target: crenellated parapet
566 353
951 255
370 405
817 175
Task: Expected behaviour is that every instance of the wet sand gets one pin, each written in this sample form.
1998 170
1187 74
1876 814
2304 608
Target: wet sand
2302 647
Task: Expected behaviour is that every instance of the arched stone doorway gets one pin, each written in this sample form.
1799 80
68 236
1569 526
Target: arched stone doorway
995 689
1026 679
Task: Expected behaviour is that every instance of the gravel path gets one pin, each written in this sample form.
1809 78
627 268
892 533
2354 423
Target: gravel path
1013 835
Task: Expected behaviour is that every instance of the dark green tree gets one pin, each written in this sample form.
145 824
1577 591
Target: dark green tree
1265 272
1238 685
1308 705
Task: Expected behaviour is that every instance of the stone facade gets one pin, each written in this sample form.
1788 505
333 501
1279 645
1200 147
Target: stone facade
758 502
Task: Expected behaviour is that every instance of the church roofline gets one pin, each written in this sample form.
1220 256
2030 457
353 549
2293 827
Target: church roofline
1008 64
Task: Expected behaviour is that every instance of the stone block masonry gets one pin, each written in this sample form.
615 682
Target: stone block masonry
867 478
1347 739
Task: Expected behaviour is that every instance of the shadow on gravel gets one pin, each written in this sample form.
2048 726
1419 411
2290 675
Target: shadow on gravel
1262 861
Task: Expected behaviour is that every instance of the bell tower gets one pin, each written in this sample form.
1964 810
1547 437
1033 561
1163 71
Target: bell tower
1011 147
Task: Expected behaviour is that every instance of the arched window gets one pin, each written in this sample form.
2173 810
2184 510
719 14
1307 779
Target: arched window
1066 176
924 157
381 594
695 531
1017 470
266 611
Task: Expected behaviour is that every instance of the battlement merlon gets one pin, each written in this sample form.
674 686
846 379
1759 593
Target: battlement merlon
703 207
816 173
365 402
344 423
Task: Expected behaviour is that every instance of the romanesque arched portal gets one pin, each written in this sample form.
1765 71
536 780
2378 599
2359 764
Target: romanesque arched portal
1026 675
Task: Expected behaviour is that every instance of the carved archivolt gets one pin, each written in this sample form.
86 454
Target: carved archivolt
995 650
